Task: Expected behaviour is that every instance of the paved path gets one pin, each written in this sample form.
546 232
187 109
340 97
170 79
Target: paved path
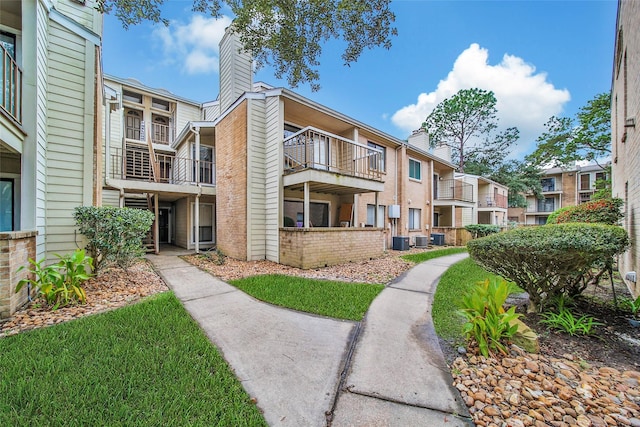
307 370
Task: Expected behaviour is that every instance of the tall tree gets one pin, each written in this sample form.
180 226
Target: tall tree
585 137
286 34
466 123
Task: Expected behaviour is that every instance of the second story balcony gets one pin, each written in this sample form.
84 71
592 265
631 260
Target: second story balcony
495 201
11 91
454 190
318 150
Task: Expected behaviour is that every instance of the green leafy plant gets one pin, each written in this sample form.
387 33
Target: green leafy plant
215 256
60 284
551 260
566 321
481 230
632 305
115 234
488 324
606 211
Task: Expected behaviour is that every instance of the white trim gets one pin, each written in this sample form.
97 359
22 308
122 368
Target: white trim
409 170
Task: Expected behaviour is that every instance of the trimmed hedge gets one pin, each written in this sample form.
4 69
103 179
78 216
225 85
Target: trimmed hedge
606 211
481 230
115 234
551 260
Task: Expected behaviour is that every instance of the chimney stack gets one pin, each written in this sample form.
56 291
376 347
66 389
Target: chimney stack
236 69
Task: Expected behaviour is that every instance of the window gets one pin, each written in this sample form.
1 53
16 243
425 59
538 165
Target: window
318 215
133 124
6 204
204 170
160 129
600 183
377 162
585 181
371 211
546 205
548 184
414 219
132 97
414 169
8 42
205 226
290 130
160 104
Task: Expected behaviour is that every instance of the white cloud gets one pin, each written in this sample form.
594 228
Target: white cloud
194 45
524 99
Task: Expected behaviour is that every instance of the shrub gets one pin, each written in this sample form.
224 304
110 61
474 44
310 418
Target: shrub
553 216
488 324
115 234
481 230
565 320
551 260
60 284
606 211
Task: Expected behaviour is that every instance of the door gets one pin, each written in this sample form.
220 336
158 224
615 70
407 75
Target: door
164 215
6 204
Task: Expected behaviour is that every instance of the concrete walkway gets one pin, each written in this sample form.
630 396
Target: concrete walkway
307 370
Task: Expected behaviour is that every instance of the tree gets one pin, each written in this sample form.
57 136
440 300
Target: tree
522 178
585 137
460 122
286 34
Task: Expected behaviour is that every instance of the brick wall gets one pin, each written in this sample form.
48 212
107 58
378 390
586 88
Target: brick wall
569 190
15 250
317 247
453 236
231 183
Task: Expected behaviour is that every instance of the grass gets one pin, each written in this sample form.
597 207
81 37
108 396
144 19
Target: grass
145 365
325 297
456 281
424 256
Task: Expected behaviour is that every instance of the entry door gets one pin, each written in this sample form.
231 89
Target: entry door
6 205
163 225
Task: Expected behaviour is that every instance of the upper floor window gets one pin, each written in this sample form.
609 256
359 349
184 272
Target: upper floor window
290 130
160 104
133 124
377 162
160 129
132 96
415 171
585 181
548 184
8 42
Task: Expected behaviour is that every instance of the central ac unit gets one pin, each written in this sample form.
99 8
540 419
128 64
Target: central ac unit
422 241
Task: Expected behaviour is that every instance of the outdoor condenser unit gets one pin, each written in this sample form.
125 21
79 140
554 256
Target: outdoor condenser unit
422 241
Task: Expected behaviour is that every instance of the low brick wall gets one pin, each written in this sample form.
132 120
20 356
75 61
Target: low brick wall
16 248
320 246
453 236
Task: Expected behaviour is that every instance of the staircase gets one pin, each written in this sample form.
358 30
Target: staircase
145 203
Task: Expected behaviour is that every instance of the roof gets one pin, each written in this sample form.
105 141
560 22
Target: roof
133 83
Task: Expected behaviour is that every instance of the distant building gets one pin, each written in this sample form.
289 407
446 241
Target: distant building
625 135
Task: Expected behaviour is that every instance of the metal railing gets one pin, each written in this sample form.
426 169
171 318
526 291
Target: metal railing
11 92
541 207
453 189
160 133
135 165
312 148
497 201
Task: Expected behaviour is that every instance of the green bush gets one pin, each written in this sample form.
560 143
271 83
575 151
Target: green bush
551 260
606 211
60 284
115 234
488 324
481 230
564 320
553 216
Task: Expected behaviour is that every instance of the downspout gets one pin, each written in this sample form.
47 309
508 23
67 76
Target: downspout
196 220
394 225
107 137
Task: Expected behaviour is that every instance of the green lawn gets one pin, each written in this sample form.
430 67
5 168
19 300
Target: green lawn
147 364
325 297
424 256
455 282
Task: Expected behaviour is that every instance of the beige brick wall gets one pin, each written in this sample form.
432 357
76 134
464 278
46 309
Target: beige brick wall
318 247
569 190
453 236
15 250
231 183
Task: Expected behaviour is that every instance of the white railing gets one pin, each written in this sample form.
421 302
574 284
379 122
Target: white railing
312 148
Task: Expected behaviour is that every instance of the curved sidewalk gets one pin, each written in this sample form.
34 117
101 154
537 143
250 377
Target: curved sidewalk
307 370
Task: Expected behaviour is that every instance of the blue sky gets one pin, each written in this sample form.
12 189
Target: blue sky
540 58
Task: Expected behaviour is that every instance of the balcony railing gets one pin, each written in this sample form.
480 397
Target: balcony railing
135 165
11 92
453 189
497 201
160 133
315 149
541 207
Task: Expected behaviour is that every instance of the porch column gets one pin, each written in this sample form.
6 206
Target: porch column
354 214
196 220
453 216
306 205
156 225
196 178
375 216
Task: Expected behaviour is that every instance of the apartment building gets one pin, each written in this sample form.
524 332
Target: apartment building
561 187
50 52
625 138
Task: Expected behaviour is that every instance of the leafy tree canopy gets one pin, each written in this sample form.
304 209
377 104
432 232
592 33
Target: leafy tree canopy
467 123
286 34
585 137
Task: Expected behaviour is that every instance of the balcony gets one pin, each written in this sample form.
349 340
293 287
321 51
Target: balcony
11 93
453 189
313 149
541 207
497 201
167 169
